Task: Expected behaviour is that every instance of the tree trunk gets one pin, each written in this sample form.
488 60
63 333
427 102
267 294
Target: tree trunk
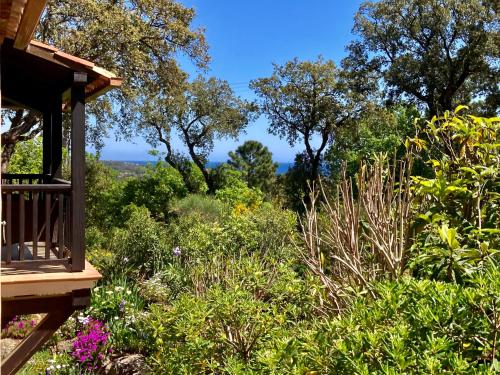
23 126
7 152
199 163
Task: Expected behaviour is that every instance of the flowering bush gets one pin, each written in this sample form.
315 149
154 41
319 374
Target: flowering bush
19 327
91 345
117 304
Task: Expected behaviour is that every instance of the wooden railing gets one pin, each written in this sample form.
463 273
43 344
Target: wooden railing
36 219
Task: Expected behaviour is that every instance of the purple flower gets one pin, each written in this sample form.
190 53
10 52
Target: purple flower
20 325
122 305
177 251
91 343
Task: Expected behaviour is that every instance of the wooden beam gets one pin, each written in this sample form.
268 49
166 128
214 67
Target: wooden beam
78 174
57 135
35 340
47 142
29 21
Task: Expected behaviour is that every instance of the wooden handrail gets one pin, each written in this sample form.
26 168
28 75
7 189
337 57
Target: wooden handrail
36 188
23 175
61 181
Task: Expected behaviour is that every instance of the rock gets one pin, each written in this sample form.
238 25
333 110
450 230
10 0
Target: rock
133 364
7 345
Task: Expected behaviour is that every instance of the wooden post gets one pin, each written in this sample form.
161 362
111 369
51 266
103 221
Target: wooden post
47 142
56 109
78 171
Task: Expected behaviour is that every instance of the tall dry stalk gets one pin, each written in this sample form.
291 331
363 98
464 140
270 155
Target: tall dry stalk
361 233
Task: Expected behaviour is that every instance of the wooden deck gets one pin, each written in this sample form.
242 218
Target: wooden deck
38 279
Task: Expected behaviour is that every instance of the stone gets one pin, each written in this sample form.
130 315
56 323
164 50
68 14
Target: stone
133 364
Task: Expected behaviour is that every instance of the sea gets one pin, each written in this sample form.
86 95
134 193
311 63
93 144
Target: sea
282 167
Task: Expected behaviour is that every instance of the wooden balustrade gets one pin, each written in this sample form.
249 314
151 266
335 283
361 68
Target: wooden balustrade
37 220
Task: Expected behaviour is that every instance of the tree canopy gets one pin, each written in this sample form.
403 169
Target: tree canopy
138 40
304 100
203 111
435 53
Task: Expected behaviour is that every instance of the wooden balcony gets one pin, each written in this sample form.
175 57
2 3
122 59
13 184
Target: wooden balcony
37 222
43 268
37 238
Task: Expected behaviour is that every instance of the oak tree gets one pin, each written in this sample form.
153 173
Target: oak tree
138 40
203 111
306 101
434 53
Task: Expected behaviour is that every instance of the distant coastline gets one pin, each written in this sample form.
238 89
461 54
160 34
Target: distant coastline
282 167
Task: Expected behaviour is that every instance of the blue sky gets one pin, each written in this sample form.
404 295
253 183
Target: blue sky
245 38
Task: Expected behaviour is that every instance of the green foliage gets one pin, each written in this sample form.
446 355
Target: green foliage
240 196
418 327
224 329
118 303
378 131
225 176
436 53
306 100
156 190
141 247
205 207
460 206
27 157
201 111
103 195
255 162
148 68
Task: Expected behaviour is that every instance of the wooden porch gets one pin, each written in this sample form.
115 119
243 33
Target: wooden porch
43 268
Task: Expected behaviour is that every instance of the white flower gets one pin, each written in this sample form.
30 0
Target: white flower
125 259
58 367
129 292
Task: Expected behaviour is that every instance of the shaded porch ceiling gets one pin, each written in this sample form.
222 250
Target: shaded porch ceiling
32 77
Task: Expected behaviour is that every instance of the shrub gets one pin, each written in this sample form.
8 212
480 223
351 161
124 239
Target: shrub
205 207
240 196
414 326
223 329
118 303
361 234
156 190
141 247
459 217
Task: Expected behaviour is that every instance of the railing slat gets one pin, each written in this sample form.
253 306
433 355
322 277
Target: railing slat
47 225
9 228
60 227
48 203
21 226
35 225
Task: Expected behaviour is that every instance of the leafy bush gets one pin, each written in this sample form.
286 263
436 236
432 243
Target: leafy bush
204 207
141 247
156 190
414 326
240 196
222 329
118 303
460 207
103 195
